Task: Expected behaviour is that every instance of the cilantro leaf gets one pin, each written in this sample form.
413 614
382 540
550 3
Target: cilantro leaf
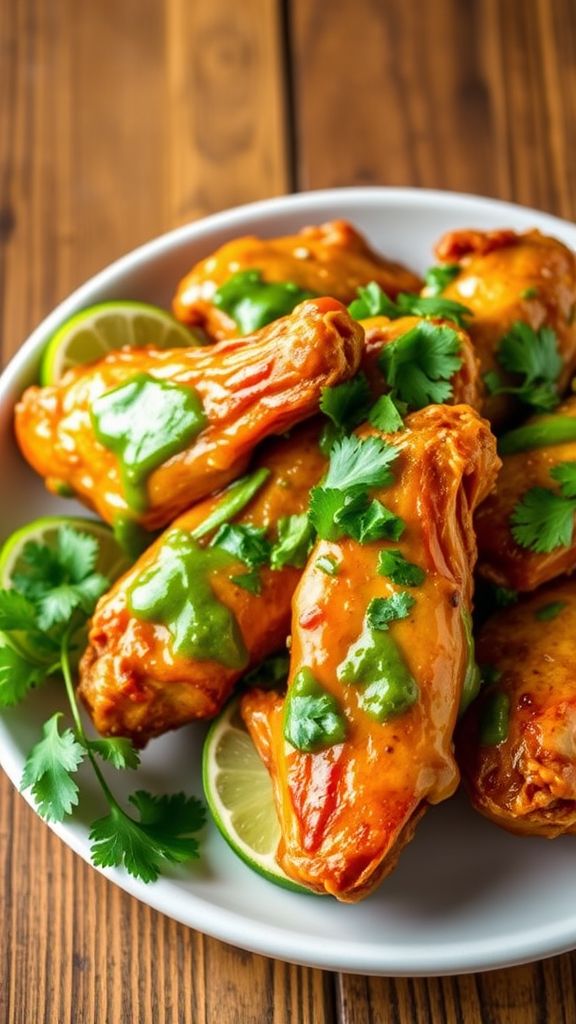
16 612
534 357
396 567
48 771
372 301
385 415
419 365
438 278
543 520
245 542
77 553
347 404
504 597
433 306
163 833
366 519
117 750
249 581
17 675
295 538
549 611
565 474
360 462
383 610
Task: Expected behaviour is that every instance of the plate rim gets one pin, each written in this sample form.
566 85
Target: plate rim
222 923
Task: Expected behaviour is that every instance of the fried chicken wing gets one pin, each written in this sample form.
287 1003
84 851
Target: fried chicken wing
149 669
253 280
531 459
362 742
505 277
517 743
143 434
379 332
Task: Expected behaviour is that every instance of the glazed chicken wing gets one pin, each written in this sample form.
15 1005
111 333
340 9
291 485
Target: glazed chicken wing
517 743
251 281
505 278
143 434
380 654
466 386
153 666
519 545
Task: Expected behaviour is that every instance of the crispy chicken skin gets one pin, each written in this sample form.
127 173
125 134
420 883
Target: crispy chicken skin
379 331
500 558
131 680
347 810
249 389
526 782
507 277
331 259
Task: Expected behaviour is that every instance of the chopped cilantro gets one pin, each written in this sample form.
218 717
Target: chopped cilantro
385 415
347 404
372 301
360 462
384 610
543 520
504 597
549 611
438 278
327 565
394 565
312 717
419 365
534 357
529 293
295 538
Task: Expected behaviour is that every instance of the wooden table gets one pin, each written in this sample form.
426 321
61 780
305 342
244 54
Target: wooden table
122 118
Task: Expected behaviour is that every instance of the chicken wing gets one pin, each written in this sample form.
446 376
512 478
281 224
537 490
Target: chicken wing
517 743
505 278
251 281
362 742
379 332
516 546
151 669
143 434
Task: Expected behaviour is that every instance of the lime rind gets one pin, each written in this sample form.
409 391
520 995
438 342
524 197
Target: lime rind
94 332
239 795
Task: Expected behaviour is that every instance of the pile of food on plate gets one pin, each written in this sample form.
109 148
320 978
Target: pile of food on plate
307 474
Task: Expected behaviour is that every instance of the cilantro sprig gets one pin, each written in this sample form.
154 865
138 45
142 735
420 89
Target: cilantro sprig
41 623
543 519
419 365
342 506
372 301
533 358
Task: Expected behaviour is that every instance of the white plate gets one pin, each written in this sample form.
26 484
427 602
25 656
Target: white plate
466 895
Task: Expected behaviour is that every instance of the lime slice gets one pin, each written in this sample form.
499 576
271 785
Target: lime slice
239 794
111 560
92 333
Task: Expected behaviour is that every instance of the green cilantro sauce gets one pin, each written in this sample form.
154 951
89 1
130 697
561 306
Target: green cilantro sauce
253 302
312 717
144 422
176 593
376 662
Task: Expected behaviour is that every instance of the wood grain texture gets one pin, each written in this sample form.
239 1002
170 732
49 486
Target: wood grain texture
477 96
122 118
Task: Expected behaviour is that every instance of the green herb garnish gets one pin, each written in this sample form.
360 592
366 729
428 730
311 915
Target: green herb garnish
253 302
419 366
549 611
295 538
532 356
543 520
394 565
312 717
383 610
372 301
438 278
52 599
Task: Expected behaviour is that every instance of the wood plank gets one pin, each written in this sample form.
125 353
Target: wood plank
118 121
476 97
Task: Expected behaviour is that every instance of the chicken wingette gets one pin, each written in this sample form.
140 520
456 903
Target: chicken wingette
517 743
380 653
525 528
174 634
508 279
143 434
250 281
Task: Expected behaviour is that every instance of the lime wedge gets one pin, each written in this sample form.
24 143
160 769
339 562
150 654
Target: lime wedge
111 561
92 333
239 794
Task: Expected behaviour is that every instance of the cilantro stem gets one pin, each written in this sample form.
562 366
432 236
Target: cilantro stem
80 732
